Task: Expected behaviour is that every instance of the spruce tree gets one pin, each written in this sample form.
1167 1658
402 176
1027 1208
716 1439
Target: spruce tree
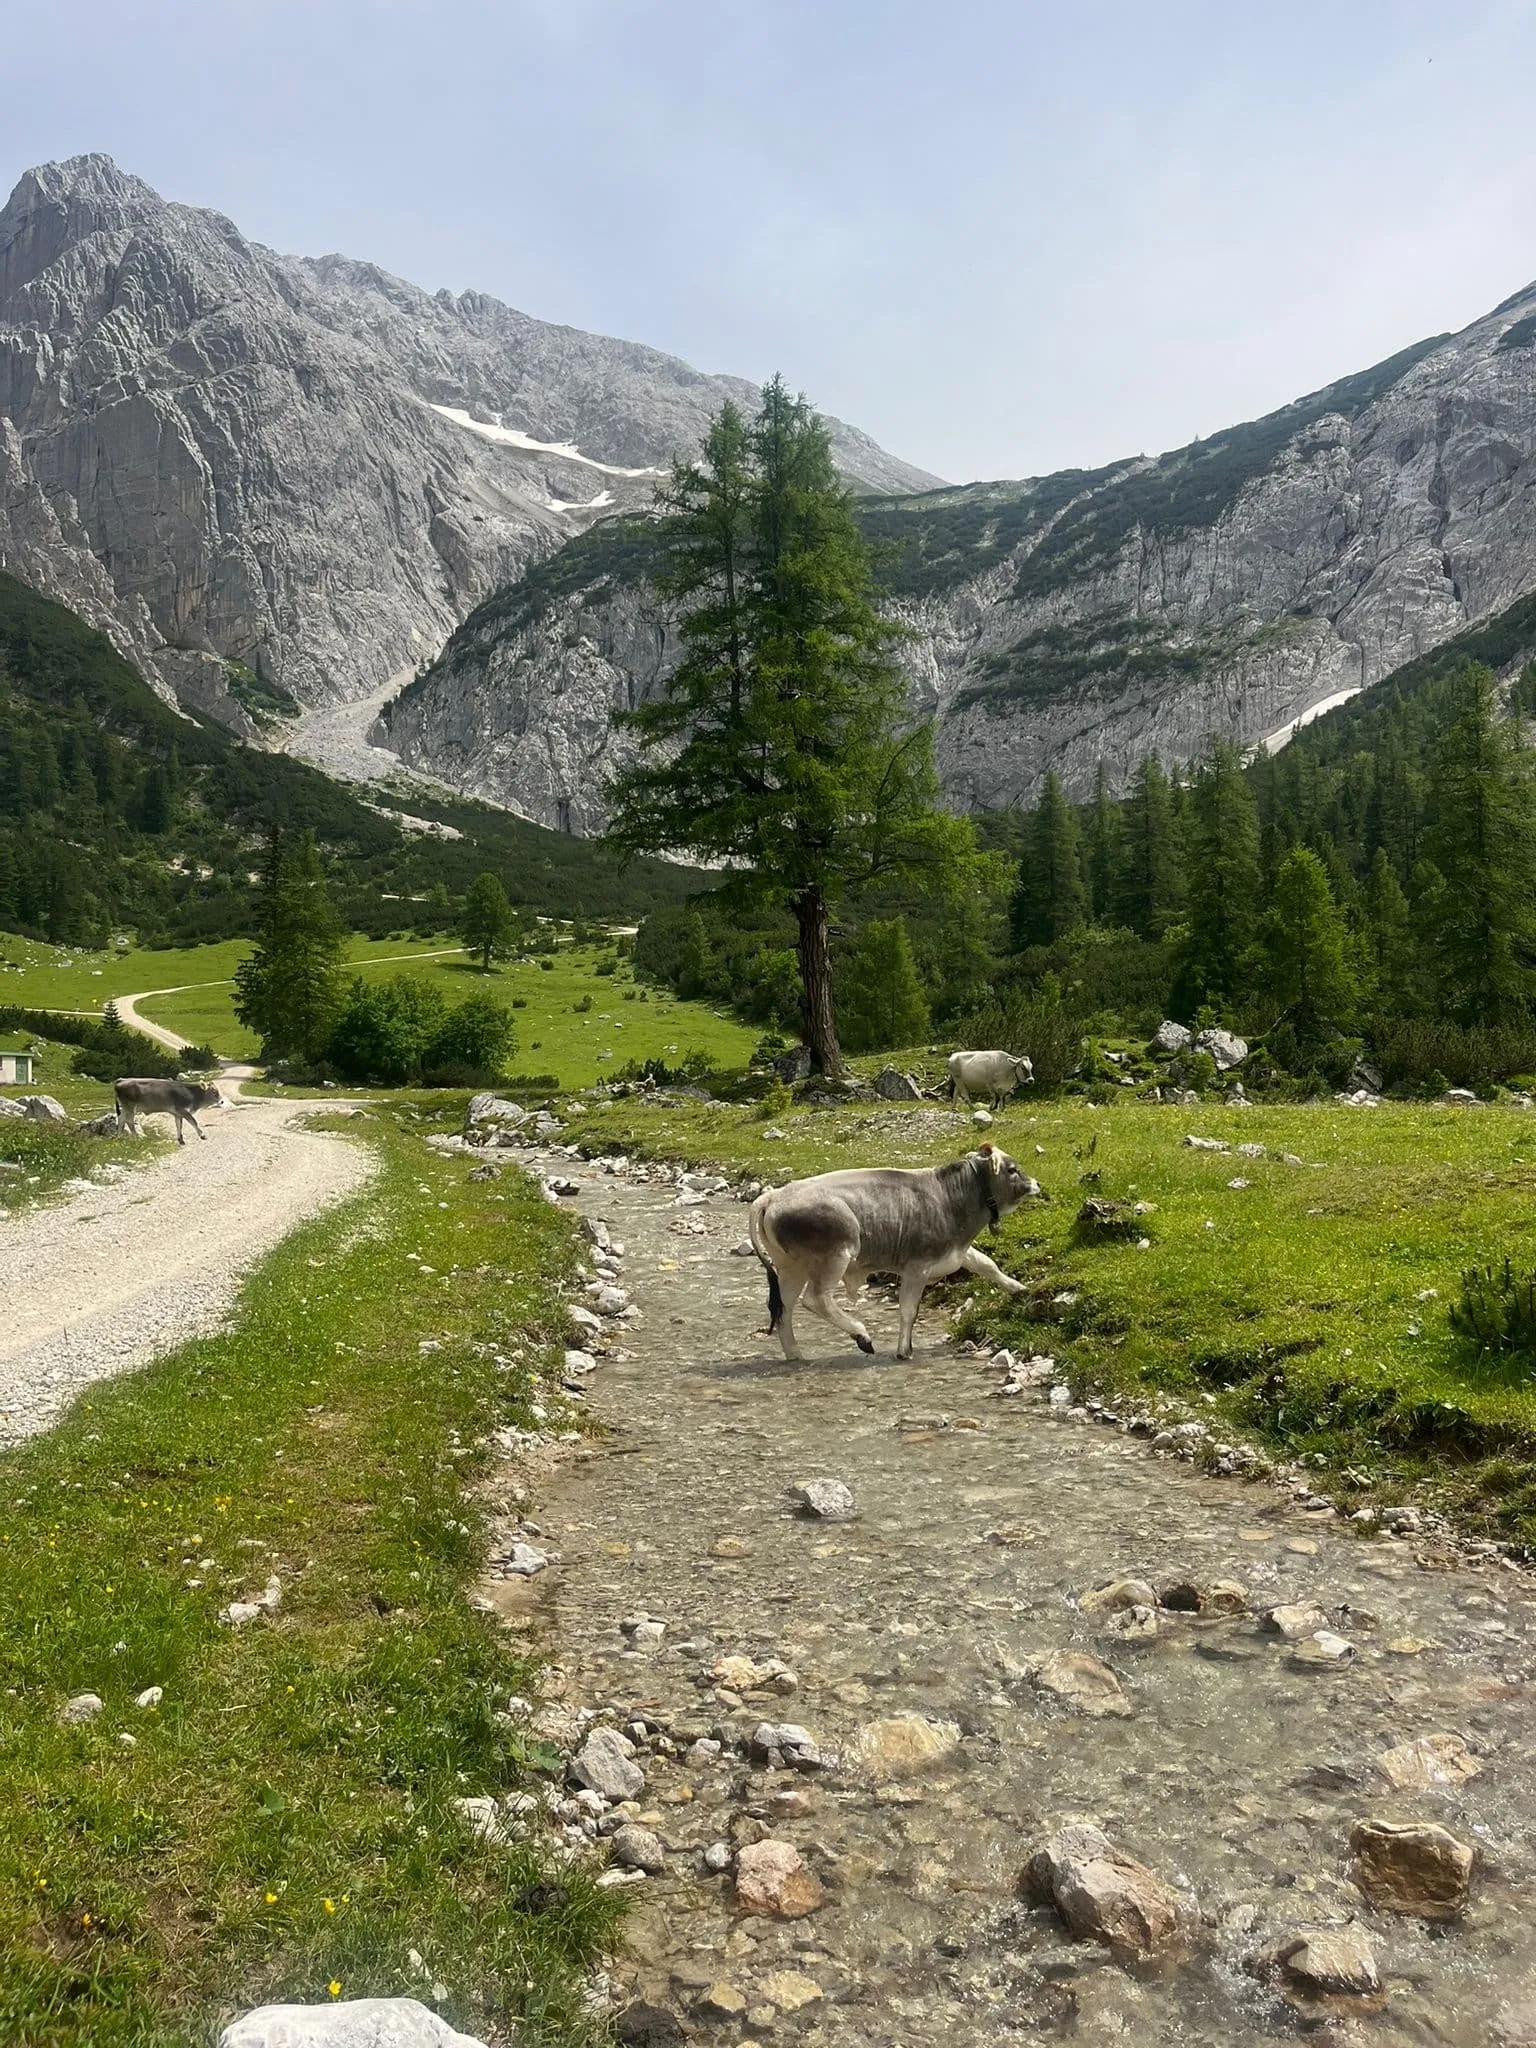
288 989
1391 953
962 963
1050 900
779 748
488 926
1149 889
1478 909
1224 881
881 999
1306 951
1103 849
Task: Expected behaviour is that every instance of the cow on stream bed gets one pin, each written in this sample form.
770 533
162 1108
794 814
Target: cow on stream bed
919 1223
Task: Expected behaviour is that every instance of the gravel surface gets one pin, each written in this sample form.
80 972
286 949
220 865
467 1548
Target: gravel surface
107 1281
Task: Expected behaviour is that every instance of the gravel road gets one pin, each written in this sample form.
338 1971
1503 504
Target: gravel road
107 1281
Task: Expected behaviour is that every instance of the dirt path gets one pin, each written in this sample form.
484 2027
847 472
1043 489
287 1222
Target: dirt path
109 1280
1236 1770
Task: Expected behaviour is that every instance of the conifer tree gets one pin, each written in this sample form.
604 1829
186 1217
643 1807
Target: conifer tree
1391 955
1150 885
881 999
1050 900
1305 944
288 989
488 926
779 747
1224 880
962 963
1103 848
1478 910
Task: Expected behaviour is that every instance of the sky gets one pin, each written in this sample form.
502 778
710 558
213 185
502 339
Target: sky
1002 237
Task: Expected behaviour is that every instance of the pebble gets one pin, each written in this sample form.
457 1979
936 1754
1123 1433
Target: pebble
1104 1895
1324 1648
722 2001
151 1696
1295 1620
718 1857
1119 1593
1431 1760
1331 1959
828 1500
1082 1682
903 1744
605 1764
771 1879
637 1848
790 1990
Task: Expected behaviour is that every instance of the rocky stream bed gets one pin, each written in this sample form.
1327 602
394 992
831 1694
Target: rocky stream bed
1043 1737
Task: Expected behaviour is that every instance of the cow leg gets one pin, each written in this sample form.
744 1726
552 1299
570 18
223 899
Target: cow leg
820 1299
192 1120
914 1282
179 1138
975 1260
853 1280
125 1119
791 1287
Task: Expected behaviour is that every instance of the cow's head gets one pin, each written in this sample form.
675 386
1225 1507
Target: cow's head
205 1095
1007 1184
1023 1069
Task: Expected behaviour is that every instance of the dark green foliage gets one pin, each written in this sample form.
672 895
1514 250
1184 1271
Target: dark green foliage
1050 900
401 1031
1149 886
1497 1309
776 748
1432 1053
880 998
288 988
488 927
117 813
1306 967
1224 882
931 540
108 1049
1038 1026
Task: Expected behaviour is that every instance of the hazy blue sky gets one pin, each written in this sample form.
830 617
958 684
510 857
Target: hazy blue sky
1004 238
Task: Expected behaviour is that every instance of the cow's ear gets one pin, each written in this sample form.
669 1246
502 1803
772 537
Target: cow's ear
985 1148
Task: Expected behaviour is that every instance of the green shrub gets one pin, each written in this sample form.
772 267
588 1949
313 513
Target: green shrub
775 1101
1497 1309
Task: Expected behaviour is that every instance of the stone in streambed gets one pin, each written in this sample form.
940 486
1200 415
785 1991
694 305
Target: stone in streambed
1411 1867
826 1500
604 1763
1118 1594
1331 1960
771 1879
1295 1620
638 1848
1105 1895
1431 1760
903 1744
1082 1683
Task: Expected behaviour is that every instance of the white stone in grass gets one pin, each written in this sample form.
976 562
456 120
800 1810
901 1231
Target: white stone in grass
239 1612
85 1706
151 1696
346 2023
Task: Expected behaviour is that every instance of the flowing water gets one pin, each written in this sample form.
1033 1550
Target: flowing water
981 1521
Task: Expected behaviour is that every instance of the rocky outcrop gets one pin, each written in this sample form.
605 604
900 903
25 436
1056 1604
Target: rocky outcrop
307 467
1234 587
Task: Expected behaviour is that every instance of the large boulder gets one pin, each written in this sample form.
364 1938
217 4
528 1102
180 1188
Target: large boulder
345 2023
43 1109
1170 1038
1224 1047
1411 1867
792 1066
1104 1895
10 1107
891 1085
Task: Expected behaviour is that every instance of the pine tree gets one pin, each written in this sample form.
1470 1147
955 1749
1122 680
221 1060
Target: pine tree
1391 954
779 747
288 989
880 996
488 927
1149 891
1478 911
962 961
1305 943
1050 900
1102 853
1224 881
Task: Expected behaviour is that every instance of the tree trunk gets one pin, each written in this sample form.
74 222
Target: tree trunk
818 1022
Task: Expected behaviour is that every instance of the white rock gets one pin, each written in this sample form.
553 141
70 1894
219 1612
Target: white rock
983 1117
151 1696
346 2023
85 1706
827 1499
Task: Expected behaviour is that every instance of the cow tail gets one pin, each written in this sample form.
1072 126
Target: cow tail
775 1293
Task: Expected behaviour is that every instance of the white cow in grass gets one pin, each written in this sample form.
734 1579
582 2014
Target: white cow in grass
993 1074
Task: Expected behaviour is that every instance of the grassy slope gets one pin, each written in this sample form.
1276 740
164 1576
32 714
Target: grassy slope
1300 1309
284 1822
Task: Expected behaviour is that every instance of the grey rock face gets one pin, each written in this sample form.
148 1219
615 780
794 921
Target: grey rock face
1231 588
220 453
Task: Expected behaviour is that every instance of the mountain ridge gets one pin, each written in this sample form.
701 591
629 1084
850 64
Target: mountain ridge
254 447
1226 588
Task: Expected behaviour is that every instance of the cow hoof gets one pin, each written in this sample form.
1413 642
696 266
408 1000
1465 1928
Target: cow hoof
865 1344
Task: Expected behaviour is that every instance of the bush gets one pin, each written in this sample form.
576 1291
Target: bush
398 1031
1038 1027
1415 1052
1497 1309
478 1034
775 1101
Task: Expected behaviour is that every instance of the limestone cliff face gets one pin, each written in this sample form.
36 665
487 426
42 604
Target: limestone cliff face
1227 588
308 467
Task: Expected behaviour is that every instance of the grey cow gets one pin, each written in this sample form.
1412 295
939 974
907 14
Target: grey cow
993 1074
180 1099
917 1222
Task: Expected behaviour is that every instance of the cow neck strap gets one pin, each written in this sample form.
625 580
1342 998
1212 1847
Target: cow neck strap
987 1195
